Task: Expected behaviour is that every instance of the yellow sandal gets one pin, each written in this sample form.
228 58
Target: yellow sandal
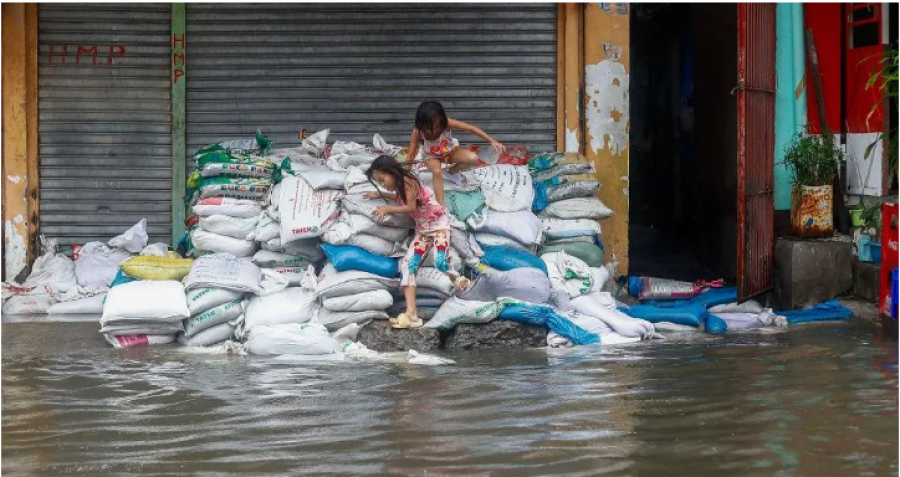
403 322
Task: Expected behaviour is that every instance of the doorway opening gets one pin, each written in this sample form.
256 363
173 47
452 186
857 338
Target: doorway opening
683 161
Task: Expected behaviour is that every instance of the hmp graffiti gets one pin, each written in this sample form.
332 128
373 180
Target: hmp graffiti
83 52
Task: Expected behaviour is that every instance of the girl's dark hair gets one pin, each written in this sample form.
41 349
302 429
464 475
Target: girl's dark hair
391 167
428 112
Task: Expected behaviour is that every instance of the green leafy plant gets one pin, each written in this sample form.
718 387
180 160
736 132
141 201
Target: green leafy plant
813 159
887 73
871 215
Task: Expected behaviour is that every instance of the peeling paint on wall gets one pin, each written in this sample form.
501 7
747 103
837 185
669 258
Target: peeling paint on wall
571 141
15 248
607 110
15 179
614 8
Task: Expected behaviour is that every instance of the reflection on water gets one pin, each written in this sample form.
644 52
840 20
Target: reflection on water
813 401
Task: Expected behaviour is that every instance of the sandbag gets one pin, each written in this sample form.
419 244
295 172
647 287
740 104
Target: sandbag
266 229
607 335
568 274
564 228
335 320
522 226
222 165
344 258
290 338
589 253
749 306
358 204
650 288
433 279
97 264
351 224
462 204
139 327
372 300
602 307
465 245
545 317
157 268
227 206
831 310
601 276
506 188
87 305
52 269
571 169
372 244
291 305
572 190
527 284
149 300
210 336
456 310
485 239
578 208
235 227
305 248
158 249
206 298
742 321
226 271
133 240
322 177
294 275
306 212
691 315
238 188
29 304
215 316
211 242
506 258
134 341
267 259
333 283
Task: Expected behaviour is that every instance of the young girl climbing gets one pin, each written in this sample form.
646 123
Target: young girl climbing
432 230
433 132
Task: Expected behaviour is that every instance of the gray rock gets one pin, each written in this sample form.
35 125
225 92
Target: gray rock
496 334
809 272
379 336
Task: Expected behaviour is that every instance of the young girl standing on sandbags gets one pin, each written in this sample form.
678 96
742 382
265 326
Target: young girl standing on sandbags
433 133
432 230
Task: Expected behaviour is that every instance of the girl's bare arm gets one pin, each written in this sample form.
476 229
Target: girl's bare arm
454 124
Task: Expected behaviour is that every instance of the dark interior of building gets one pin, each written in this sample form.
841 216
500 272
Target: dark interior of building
683 159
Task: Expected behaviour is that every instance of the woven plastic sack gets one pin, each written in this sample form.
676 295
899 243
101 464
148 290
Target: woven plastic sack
571 169
267 259
227 206
215 316
335 320
88 305
589 253
292 338
210 242
344 258
456 310
691 315
52 269
306 212
202 299
133 240
565 228
578 208
572 190
333 283
506 188
351 224
291 305
372 300
506 258
357 204
157 268
97 264
568 274
491 240
527 284
211 336
29 304
236 227
252 189
603 307
521 226
545 317
147 300
226 271
137 341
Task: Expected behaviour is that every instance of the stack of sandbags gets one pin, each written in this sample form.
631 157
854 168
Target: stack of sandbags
144 312
359 292
433 288
52 275
521 230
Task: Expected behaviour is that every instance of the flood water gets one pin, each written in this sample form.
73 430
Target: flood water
818 400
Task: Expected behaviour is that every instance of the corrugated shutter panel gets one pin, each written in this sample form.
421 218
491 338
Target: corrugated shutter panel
362 69
105 121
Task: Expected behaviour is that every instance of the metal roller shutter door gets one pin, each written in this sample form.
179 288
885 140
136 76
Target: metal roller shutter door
104 120
362 69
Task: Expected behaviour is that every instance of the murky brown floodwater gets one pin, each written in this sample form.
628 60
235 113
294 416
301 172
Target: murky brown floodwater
816 401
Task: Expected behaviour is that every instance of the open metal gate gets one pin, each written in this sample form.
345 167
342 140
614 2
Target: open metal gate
756 135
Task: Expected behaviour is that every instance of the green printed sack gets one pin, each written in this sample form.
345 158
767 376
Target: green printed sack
237 165
238 188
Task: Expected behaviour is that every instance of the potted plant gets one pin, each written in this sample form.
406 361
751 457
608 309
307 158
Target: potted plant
868 244
813 160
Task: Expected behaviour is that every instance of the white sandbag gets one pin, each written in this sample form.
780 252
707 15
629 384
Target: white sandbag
572 190
491 240
358 204
29 304
133 240
139 327
372 300
506 188
294 275
272 200
749 306
206 298
569 274
322 177
607 335
578 208
87 305
291 338
746 321
556 341
52 269
349 154
430 277
522 226
221 314
335 320
333 283
267 259
306 248
465 245
235 227
134 341
158 249
601 276
569 240
603 307
210 336
570 169
526 284
150 300
456 310
373 244
312 146
383 147
564 228
306 212
221 270
211 242
266 229
97 264
351 224
291 305
227 206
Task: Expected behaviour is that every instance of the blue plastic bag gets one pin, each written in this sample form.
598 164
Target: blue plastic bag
508 258
544 316
541 198
829 311
691 315
348 257
715 325
121 278
709 298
